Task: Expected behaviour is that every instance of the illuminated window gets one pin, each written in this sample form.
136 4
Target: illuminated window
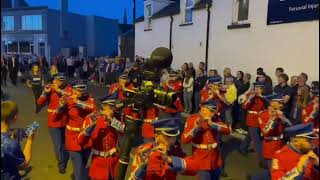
188 11
31 22
7 23
241 11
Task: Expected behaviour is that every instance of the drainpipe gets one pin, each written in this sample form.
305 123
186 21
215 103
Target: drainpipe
170 38
207 36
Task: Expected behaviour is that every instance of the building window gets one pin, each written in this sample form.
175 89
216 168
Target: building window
41 49
240 12
31 22
148 16
24 47
7 23
12 47
188 11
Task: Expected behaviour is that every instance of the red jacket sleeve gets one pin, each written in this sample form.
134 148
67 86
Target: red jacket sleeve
82 138
42 99
187 134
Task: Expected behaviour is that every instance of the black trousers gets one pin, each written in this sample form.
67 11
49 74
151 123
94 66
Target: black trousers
13 76
4 74
37 91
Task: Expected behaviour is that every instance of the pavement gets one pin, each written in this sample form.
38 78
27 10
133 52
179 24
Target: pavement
44 165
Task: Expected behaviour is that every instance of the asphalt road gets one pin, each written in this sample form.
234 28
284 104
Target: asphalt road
44 165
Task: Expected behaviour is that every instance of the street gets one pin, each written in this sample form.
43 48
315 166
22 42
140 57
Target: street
44 165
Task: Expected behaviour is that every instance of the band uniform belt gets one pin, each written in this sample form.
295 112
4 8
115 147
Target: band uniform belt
274 138
205 146
149 120
253 112
104 153
73 128
51 110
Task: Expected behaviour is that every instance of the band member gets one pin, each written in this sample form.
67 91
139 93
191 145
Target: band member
36 83
53 72
56 124
175 85
296 160
272 123
254 103
77 105
164 157
202 131
213 86
13 158
100 132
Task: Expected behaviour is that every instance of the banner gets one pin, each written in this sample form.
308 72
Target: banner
288 11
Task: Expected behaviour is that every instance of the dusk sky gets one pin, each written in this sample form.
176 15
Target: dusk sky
106 8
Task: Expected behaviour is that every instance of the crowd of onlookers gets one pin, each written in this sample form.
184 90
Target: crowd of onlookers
105 70
295 90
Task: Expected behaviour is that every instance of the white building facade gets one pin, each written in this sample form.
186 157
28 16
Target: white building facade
238 36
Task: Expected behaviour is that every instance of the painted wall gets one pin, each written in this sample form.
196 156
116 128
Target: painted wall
189 42
293 46
147 41
106 36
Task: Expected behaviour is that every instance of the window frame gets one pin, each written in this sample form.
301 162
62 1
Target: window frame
235 16
3 23
148 16
185 12
33 23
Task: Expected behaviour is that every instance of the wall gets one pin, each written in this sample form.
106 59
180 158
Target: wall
293 46
53 28
189 42
147 41
106 36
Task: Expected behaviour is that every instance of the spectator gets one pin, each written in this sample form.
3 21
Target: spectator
286 91
188 92
313 88
213 73
202 67
300 100
268 79
199 84
4 71
85 67
184 69
192 70
279 71
13 66
128 63
239 79
70 66
227 74
242 113
294 82
44 67
262 77
13 158
102 68
108 71
302 80
228 98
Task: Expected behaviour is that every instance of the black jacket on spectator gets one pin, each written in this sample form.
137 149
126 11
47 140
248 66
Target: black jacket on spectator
242 89
285 90
199 83
193 72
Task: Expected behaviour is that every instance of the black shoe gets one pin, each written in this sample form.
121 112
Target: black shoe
224 174
243 153
62 170
248 176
